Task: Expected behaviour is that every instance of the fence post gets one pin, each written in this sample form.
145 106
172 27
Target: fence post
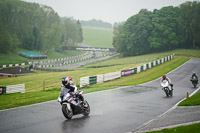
44 85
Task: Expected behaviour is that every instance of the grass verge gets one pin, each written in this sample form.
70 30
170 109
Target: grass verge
194 128
21 99
98 37
192 101
147 75
6 101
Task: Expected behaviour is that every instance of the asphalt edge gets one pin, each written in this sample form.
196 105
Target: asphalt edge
166 73
122 87
25 106
168 127
156 129
89 93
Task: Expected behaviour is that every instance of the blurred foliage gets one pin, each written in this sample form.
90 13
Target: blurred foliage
35 27
161 30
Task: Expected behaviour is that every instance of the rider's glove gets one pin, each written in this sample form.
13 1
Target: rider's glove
59 99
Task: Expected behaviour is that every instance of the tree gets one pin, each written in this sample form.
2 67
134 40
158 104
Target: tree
188 23
80 32
36 37
71 32
164 33
116 38
52 38
28 42
5 41
35 27
132 37
160 30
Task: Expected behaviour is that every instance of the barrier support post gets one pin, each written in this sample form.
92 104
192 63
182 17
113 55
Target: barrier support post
43 85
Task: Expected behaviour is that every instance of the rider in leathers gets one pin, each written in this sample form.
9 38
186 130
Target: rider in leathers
164 77
194 75
68 84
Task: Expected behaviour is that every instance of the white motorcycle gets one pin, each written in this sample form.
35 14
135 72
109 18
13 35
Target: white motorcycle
167 88
71 105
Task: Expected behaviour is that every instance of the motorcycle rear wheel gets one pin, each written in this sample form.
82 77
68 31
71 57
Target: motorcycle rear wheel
195 85
171 93
66 112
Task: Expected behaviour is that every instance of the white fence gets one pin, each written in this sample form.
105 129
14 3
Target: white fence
111 76
84 81
100 78
114 75
15 88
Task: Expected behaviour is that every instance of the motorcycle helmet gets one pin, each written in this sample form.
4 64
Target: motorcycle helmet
164 76
65 81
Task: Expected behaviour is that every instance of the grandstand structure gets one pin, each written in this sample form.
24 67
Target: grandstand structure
33 55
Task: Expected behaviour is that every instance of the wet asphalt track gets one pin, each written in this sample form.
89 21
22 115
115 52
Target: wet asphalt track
114 111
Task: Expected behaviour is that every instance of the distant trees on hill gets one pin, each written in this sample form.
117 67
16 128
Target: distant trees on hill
160 30
96 23
35 27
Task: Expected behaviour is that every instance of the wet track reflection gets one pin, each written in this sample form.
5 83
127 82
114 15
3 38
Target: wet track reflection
77 122
113 111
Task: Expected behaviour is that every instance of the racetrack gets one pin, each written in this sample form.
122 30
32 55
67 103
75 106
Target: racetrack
114 111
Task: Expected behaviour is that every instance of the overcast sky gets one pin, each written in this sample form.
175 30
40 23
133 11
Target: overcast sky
107 10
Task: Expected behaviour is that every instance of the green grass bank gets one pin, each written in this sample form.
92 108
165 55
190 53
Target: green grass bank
33 96
194 128
98 37
34 82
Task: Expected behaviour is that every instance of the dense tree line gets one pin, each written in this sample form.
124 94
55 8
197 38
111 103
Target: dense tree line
35 27
165 29
96 23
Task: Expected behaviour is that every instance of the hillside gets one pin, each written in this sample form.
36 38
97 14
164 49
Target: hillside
98 37
96 23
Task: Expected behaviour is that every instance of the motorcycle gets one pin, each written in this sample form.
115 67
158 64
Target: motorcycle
167 88
194 81
72 105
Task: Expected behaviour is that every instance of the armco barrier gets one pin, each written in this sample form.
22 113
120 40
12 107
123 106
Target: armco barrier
138 69
15 88
54 60
157 62
150 65
92 80
127 72
144 67
147 65
135 70
100 78
154 63
141 68
114 75
84 81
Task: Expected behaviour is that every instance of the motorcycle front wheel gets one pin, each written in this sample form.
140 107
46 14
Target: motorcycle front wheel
87 109
68 113
167 93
